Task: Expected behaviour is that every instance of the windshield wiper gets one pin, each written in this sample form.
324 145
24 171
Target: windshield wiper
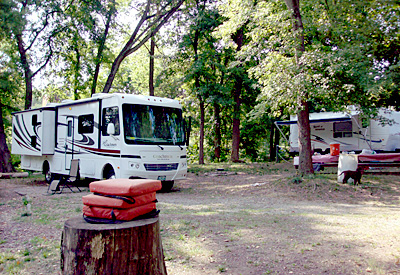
162 148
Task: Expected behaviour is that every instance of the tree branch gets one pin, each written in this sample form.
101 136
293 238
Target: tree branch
51 52
166 16
128 48
38 32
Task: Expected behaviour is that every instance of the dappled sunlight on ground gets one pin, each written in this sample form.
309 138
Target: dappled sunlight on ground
256 228
248 222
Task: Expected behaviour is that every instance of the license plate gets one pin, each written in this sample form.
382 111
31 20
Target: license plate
162 177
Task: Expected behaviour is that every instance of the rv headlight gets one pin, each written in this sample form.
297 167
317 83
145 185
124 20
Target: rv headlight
134 165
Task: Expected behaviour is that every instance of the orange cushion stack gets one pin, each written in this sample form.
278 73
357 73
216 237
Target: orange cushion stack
121 199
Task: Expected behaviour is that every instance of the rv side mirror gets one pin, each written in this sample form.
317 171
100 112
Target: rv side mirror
111 129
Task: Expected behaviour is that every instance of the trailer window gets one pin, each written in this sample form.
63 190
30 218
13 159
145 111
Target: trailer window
342 129
110 115
86 124
144 124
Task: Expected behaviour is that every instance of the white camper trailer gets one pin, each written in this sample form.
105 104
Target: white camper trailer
112 135
347 130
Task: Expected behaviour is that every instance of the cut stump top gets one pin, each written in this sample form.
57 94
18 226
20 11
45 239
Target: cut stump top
80 223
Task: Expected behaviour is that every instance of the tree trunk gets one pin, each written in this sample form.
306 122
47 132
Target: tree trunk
151 67
201 140
5 157
27 72
113 72
236 126
217 132
303 123
238 38
77 72
188 129
195 45
272 148
127 248
276 140
305 157
100 50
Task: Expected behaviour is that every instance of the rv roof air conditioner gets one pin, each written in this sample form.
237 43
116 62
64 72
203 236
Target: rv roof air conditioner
99 94
67 101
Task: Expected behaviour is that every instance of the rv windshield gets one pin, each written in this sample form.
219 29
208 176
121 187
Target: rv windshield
144 124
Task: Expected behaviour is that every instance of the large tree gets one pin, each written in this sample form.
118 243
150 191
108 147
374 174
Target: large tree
11 98
198 66
319 55
108 12
31 28
82 47
305 162
8 90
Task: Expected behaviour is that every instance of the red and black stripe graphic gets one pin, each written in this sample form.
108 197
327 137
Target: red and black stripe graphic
23 137
97 151
89 150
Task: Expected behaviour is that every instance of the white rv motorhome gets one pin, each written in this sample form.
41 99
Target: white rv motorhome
347 130
112 135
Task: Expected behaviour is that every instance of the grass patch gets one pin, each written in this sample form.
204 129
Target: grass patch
38 249
248 168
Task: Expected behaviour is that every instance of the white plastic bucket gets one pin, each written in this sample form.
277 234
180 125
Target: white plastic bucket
346 162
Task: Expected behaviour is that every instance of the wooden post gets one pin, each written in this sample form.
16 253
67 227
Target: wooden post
126 248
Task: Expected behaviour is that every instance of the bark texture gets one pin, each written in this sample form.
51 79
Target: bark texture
217 132
201 137
151 67
303 123
5 157
27 71
238 38
127 248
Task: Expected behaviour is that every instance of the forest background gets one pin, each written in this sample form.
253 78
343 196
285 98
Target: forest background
236 66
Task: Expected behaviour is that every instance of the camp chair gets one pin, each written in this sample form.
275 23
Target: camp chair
57 186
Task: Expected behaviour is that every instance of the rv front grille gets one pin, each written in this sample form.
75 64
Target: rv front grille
161 167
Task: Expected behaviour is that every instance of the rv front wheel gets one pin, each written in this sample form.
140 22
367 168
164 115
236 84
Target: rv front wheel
109 173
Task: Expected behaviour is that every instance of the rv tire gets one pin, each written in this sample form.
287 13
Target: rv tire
109 174
167 185
49 176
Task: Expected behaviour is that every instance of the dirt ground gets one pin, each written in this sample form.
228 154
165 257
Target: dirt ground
261 219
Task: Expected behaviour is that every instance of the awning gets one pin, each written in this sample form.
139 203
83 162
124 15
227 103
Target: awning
321 120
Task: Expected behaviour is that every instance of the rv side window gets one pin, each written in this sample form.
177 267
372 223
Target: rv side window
110 115
342 129
69 134
86 124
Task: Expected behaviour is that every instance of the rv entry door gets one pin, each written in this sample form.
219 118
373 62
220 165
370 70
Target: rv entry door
69 143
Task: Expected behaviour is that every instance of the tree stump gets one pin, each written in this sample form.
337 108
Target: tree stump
126 248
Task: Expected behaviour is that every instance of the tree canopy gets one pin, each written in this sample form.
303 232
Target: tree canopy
236 65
